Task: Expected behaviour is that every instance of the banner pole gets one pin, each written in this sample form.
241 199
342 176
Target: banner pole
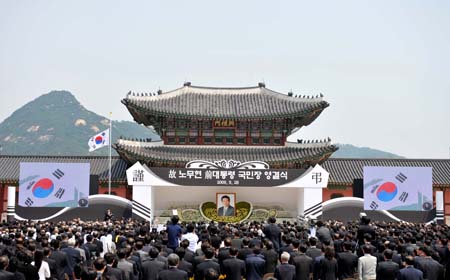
110 160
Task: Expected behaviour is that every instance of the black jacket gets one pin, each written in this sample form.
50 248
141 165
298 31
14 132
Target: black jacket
387 270
173 273
285 271
303 266
233 268
347 264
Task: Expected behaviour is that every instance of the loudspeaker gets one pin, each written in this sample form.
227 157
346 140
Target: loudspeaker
358 187
93 184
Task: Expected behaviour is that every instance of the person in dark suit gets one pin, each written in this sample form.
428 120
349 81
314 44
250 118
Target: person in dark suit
255 265
387 270
108 215
152 266
271 257
364 228
273 233
182 264
73 257
100 268
233 268
4 263
188 254
51 263
111 271
245 250
303 264
328 265
60 258
224 252
323 233
124 265
208 263
409 272
173 273
313 252
431 269
285 271
226 209
347 261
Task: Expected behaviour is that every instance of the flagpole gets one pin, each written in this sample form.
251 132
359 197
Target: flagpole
110 160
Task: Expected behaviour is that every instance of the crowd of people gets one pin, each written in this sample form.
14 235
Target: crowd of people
134 250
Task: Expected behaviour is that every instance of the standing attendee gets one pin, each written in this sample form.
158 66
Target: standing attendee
313 252
51 263
172 272
108 215
41 265
303 264
152 266
224 252
409 272
271 257
364 228
233 268
255 265
60 258
387 270
367 265
182 264
4 263
111 268
273 233
174 232
124 265
323 233
431 269
191 237
73 257
347 262
285 271
206 264
328 265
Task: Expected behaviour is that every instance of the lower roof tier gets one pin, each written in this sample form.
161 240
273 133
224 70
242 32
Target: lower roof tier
292 155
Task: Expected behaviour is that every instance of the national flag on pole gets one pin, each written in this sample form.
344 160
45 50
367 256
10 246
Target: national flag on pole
99 140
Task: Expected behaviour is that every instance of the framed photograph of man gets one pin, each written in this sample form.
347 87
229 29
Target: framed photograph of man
226 204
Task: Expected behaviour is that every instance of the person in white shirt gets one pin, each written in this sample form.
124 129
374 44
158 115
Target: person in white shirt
39 263
367 265
191 237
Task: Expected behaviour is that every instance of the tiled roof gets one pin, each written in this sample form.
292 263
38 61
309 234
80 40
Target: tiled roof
291 153
10 166
343 171
210 103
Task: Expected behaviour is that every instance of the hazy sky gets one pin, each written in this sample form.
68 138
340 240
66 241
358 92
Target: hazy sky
383 65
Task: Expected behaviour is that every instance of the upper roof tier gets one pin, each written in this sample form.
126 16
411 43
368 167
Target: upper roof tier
299 154
225 103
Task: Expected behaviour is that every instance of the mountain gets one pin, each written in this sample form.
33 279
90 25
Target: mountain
57 124
350 151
